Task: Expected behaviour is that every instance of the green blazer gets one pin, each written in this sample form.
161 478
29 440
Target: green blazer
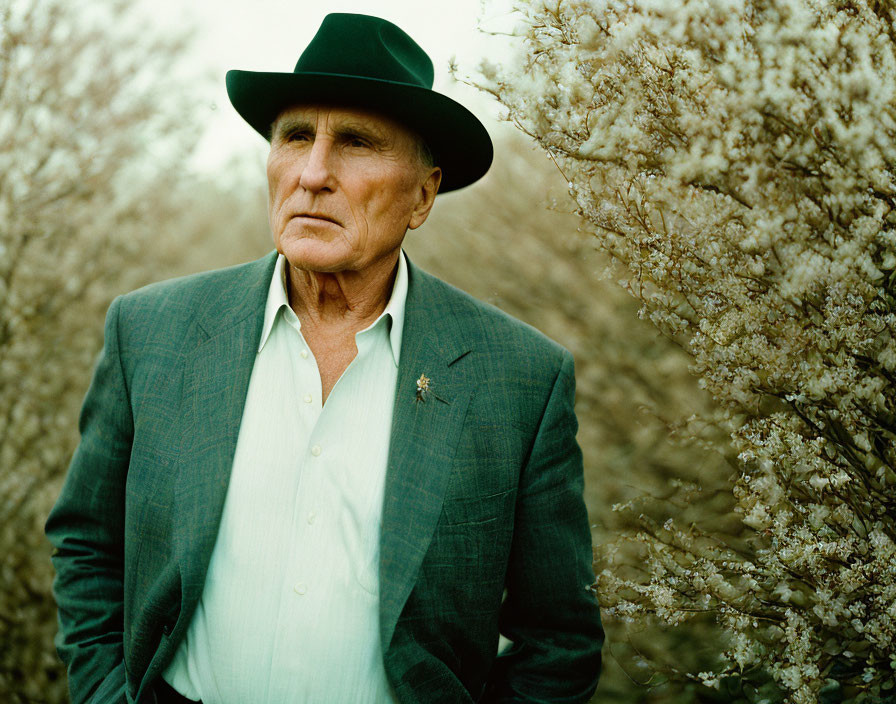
483 491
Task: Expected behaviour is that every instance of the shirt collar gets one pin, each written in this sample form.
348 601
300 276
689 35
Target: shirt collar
394 308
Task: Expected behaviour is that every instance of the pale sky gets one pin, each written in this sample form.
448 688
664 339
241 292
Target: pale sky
269 35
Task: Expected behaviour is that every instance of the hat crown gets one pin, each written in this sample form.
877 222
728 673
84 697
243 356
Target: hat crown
361 45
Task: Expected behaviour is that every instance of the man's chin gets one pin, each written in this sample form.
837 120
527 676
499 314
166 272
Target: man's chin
316 256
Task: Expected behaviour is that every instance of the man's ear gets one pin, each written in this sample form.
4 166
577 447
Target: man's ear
428 192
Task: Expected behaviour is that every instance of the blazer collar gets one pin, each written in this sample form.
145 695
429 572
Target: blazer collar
221 307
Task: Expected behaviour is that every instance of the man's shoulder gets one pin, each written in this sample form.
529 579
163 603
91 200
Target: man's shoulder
190 293
502 334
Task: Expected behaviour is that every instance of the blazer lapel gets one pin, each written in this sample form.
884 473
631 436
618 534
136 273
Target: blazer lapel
216 382
424 436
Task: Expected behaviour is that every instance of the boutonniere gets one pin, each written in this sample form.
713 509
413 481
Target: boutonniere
424 389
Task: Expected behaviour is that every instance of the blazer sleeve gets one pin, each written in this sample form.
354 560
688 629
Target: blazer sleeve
86 529
550 612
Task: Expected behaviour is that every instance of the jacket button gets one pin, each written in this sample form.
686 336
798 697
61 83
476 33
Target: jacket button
167 628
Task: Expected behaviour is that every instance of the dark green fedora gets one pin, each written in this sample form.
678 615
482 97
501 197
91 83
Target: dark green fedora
368 62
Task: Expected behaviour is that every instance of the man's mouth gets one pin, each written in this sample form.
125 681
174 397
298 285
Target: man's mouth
318 216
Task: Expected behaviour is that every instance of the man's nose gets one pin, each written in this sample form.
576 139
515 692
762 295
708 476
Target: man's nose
317 173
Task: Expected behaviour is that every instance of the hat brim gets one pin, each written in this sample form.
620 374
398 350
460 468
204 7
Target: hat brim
459 142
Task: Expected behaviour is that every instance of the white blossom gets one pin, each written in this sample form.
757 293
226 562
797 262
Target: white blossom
738 160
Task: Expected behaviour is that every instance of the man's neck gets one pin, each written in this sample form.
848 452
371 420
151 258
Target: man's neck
332 308
343 300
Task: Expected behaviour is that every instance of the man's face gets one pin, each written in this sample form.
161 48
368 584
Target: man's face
344 186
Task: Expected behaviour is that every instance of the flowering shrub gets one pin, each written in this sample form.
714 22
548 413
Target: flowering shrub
737 158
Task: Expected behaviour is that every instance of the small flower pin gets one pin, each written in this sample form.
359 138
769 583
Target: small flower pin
424 389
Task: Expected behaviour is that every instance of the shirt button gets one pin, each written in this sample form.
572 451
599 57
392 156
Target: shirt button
311 517
315 450
304 354
308 398
300 588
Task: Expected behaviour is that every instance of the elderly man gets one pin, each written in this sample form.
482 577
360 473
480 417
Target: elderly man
326 476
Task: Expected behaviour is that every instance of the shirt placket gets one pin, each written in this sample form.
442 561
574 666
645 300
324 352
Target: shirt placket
299 585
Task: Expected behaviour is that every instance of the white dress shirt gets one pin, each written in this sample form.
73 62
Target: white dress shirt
290 607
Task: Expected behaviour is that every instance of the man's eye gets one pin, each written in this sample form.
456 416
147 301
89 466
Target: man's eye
299 137
357 142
